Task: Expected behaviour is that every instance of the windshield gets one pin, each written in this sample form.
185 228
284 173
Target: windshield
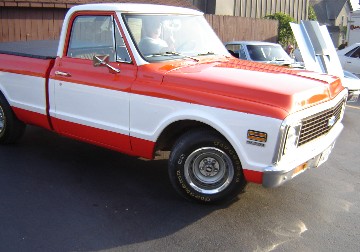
267 53
166 37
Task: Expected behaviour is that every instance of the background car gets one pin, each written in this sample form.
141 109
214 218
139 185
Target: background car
259 51
350 58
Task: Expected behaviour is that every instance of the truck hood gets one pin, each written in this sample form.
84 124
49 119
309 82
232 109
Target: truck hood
279 87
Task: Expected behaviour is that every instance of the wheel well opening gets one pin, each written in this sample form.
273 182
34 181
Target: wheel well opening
172 132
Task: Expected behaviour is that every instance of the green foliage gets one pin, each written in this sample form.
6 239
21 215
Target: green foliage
285 35
311 13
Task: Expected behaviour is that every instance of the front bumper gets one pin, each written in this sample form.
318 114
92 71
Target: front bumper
277 178
310 156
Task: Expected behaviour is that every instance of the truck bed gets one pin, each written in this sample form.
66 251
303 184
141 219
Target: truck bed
40 49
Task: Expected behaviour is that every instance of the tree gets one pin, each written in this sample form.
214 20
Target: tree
311 13
285 35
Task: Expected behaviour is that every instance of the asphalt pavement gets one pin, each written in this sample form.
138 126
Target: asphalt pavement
58 194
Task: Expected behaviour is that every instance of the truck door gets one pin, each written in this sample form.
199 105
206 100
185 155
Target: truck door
87 102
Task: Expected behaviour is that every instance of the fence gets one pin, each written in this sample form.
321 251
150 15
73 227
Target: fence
230 28
22 24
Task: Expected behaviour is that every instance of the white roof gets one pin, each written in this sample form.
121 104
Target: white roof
135 8
251 43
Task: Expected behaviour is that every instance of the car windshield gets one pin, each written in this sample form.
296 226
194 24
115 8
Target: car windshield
267 53
166 37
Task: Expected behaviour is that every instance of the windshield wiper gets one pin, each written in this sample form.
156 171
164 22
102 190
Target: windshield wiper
182 55
172 54
205 54
281 62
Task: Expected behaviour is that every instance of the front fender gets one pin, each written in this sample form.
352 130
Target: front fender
150 116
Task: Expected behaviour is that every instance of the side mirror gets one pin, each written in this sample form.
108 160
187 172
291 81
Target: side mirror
100 60
103 60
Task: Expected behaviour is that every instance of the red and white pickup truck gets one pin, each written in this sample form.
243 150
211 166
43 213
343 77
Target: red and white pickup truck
140 79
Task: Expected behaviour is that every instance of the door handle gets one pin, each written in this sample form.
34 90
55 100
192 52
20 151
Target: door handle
64 74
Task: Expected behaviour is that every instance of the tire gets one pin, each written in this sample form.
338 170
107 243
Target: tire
11 129
204 167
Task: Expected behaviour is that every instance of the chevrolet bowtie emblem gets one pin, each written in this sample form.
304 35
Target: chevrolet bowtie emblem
331 121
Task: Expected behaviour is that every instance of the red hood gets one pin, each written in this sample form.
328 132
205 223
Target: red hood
277 87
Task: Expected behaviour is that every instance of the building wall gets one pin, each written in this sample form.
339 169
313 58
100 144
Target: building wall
225 7
338 35
298 9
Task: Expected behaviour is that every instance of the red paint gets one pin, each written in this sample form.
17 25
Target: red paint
25 65
47 94
108 139
32 118
93 135
142 148
253 176
244 86
83 72
111 140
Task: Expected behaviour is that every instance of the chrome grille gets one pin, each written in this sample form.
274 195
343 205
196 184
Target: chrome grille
319 124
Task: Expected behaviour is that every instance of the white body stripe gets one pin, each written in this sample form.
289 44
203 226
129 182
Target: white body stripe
91 106
23 91
150 115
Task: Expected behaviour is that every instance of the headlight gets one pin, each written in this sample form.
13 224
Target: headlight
292 137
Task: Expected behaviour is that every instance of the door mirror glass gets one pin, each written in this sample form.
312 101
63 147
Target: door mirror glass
101 60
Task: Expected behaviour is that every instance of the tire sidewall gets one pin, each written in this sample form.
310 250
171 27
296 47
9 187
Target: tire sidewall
187 145
13 128
4 114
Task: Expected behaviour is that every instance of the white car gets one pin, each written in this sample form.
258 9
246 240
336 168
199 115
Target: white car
350 58
259 51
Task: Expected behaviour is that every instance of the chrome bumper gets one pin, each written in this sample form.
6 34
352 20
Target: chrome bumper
276 178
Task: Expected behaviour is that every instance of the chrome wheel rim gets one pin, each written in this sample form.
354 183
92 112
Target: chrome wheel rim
209 170
2 120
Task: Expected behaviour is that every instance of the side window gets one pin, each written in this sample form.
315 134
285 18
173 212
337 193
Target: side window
96 35
256 53
354 53
122 54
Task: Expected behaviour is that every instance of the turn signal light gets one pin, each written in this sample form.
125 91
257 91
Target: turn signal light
257 136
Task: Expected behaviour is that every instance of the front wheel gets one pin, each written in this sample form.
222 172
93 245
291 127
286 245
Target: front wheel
204 167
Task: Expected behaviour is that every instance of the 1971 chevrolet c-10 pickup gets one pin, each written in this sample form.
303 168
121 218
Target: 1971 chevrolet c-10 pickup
140 79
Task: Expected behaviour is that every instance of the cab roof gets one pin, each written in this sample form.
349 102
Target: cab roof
135 8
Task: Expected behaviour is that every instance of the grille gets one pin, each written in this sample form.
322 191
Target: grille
318 124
